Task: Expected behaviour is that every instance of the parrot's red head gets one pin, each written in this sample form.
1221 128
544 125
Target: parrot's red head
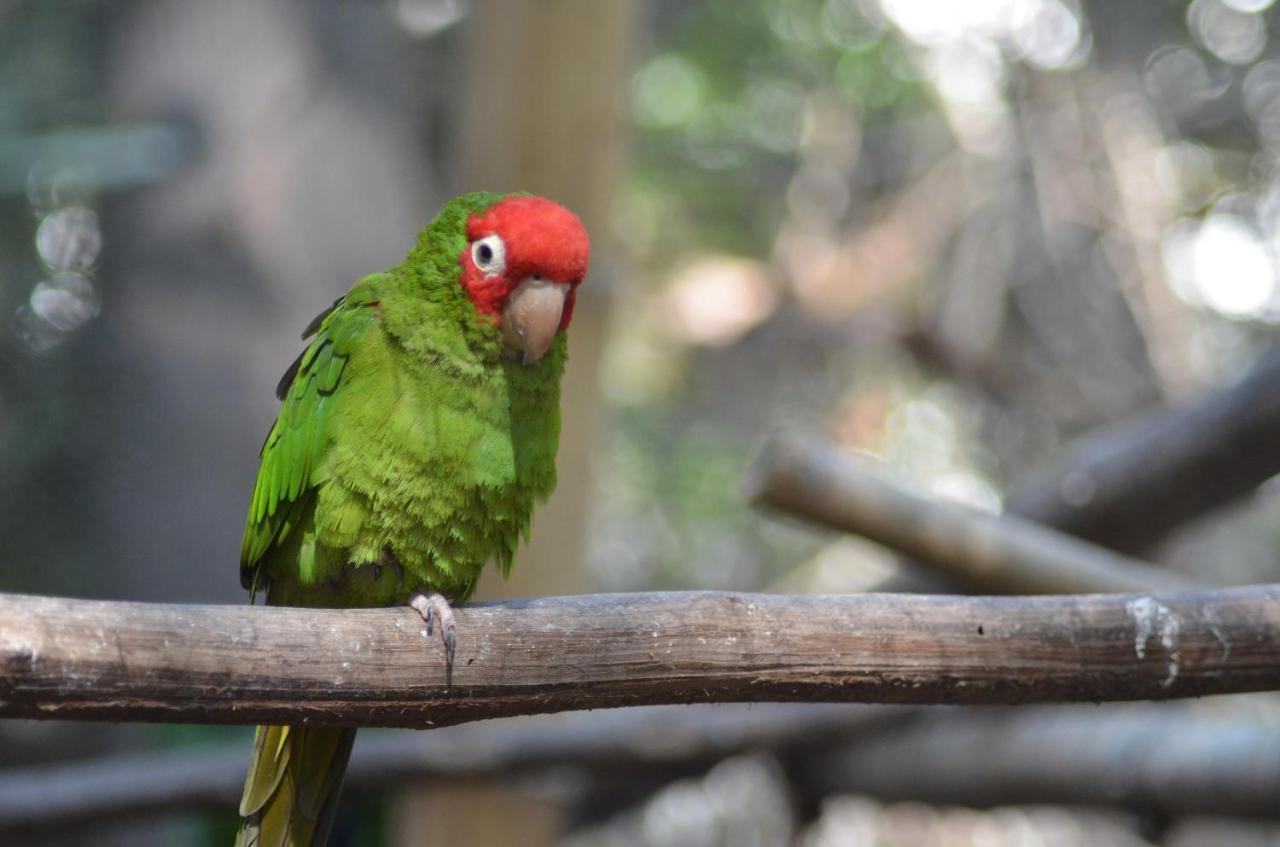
525 258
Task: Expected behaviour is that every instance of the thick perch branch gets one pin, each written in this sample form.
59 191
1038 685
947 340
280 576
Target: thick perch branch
995 553
78 659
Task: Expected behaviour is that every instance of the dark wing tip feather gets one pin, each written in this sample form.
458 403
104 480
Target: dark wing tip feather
282 387
314 326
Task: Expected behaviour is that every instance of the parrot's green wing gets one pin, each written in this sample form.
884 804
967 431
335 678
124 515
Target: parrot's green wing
284 495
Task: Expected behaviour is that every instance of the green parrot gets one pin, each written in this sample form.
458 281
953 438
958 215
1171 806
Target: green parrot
417 430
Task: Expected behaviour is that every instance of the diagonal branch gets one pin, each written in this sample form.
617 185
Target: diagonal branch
994 553
78 659
1127 486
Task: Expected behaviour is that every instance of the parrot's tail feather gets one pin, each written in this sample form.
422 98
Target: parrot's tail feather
292 789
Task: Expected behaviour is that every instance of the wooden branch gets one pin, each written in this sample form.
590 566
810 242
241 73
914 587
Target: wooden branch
1143 757
79 659
1129 485
656 742
993 553
1148 759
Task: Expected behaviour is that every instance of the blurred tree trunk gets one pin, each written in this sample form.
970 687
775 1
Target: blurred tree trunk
473 814
540 113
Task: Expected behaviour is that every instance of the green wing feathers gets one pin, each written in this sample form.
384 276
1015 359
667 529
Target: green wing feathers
281 510
293 785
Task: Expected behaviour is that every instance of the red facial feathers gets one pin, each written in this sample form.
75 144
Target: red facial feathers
542 238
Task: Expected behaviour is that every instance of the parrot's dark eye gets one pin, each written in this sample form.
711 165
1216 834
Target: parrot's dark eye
490 255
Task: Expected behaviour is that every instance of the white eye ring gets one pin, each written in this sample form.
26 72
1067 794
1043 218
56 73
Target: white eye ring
490 255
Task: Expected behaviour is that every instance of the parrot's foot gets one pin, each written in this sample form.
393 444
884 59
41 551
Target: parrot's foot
432 606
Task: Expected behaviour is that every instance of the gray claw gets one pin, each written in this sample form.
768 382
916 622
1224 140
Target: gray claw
432 606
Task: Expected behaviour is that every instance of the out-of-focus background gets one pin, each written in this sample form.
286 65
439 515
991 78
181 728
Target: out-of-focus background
952 236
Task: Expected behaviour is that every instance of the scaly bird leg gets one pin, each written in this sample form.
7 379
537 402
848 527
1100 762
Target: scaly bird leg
432 606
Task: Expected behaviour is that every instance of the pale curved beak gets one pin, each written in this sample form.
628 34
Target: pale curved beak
531 317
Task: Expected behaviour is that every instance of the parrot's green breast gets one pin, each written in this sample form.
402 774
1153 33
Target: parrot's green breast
408 450
424 486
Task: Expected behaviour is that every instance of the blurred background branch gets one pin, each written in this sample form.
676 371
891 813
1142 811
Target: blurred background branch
1064 755
1127 487
658 744
1004 554
1153 761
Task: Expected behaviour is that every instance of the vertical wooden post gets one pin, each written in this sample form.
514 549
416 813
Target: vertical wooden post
542 112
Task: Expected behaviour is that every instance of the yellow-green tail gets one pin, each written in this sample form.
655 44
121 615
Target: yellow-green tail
292 788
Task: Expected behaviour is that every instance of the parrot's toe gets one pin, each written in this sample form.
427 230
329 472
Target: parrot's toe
432 606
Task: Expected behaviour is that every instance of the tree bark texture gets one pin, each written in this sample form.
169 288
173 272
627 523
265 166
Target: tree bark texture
95 660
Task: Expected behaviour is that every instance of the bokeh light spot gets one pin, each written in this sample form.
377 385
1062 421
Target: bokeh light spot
716 300
69 239
1233 36
1222 264
65 301
668 92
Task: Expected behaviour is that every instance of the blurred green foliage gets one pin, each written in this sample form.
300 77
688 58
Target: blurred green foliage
720 110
